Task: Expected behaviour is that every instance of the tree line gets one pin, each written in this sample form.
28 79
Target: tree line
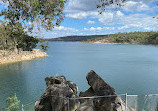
131 38
75 38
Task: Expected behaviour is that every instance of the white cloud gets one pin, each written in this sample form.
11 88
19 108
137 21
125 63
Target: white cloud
132 20
5 4
90 22
90 5
110 18
58 32
81 5
137 17
139 21
145 1
99 29
67 29
81 9
82 15
136 6
128 22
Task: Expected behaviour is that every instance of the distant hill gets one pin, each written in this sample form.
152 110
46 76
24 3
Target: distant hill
129 38
120 38
77 38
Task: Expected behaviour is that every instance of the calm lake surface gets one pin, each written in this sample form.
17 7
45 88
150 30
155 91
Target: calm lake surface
131 69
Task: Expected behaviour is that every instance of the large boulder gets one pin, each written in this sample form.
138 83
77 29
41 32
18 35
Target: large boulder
98 87
55 96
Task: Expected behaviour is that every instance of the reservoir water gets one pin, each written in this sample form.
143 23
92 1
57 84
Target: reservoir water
131 69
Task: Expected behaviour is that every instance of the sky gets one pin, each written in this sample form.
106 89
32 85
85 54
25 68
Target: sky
82 18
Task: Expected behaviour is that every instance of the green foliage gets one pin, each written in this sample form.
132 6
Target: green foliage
44 45
76 38
12 103
46 13
153 39
102 4
27 14
14 37
15 33
5 41
131 38
27 43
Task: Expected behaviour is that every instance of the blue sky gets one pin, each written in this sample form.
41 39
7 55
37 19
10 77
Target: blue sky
82 18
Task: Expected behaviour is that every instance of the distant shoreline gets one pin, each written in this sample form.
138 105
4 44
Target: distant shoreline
108 43
116 43
13 56
122 43
140 38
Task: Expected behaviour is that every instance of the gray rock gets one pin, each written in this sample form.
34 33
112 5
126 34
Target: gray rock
56 94
98 87
73 86
87 106
44 103
59 89
51 80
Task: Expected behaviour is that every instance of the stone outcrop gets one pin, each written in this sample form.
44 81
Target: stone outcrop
56 94
59 89
98 87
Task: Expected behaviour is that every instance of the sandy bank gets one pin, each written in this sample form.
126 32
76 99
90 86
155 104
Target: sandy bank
13 56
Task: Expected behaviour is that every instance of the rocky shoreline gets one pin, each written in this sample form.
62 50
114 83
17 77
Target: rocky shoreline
55 97
15 56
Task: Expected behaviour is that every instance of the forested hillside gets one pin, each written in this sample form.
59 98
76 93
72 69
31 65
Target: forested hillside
131 38
77 38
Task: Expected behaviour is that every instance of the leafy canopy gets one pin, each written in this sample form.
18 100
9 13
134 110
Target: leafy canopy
14 36
22 14
102 4
46 13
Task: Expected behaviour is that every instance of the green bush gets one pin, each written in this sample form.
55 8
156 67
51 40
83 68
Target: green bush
12 103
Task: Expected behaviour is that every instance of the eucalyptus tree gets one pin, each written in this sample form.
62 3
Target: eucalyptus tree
39 13
3 37
45 13
14 37
29 15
